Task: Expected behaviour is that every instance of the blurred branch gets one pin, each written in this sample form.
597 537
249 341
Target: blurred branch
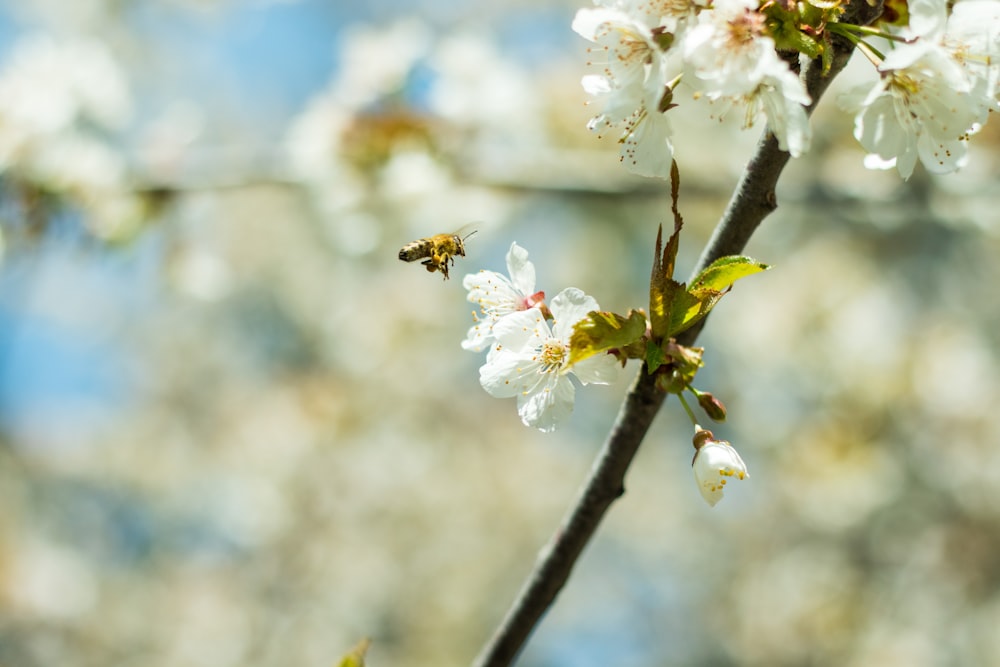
753 200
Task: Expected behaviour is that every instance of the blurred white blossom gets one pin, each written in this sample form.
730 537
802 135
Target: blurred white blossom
674 15
476 85
64 105
972 35
49 90
377 60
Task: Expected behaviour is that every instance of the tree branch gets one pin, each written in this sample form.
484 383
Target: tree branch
752 201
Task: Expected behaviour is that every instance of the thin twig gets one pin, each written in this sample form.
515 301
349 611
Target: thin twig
753 200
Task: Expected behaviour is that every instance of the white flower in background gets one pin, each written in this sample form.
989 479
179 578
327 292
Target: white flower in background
926 18
715 462
728 58
498 296
530 361
923 107
972 36
631 84
935 90
727 53
782 99
53 89
646 148
375 61
673 15
476 85
625 51
63 103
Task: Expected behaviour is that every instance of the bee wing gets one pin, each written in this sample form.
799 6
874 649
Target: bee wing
468 229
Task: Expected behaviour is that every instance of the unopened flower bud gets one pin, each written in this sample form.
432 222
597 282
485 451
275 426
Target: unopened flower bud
715 461
712 406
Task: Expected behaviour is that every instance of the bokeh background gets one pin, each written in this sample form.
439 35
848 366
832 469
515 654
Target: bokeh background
236 430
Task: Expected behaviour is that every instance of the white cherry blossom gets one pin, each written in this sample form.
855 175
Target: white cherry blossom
935 90
530 361
624 49
923 107
646 147
728 58
727 53
498 296
783 99
631 85
972 36
673 15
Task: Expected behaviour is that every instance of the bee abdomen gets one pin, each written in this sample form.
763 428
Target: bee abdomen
414 251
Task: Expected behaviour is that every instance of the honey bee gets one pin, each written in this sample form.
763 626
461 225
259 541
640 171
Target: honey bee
438 250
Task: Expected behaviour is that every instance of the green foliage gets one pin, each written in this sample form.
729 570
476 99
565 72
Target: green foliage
672 307
663 289
711 284
602 331
655 356
784 28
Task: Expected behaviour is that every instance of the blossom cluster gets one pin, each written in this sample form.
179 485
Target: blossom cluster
529 342
720 49
63 105
534 349
936 87
937 80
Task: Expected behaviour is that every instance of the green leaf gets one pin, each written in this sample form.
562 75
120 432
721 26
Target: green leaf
662 286
685 308
655 356
601 331
708 287
723 272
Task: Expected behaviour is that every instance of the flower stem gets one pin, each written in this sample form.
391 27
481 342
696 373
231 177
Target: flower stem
687 409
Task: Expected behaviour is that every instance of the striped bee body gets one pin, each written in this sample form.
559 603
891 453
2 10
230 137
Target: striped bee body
436 251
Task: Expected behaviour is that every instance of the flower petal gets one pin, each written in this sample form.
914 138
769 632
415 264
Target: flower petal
714 464
502 375
520 330
522 272
480 335
598 369
569 307
548 406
